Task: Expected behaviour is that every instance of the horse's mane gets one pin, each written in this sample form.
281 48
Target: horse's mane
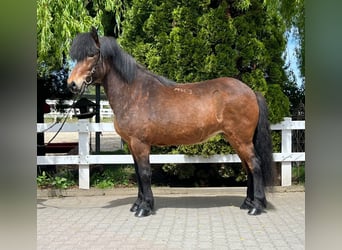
84 45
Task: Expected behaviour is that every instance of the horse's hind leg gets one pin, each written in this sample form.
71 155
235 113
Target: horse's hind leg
145 202
255 201
259 202
248 202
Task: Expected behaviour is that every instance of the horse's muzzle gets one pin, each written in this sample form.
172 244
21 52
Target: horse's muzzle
73 87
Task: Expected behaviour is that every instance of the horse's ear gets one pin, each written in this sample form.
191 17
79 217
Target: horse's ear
95 36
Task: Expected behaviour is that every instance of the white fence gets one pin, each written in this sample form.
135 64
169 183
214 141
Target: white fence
105 109
84 158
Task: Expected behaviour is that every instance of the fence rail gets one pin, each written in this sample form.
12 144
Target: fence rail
84 158
105 110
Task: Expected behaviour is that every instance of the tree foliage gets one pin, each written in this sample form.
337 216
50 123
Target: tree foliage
58 22
293 11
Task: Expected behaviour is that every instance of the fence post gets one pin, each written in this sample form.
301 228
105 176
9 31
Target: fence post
286 147
83 151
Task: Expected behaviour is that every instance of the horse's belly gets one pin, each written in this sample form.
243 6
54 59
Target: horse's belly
182 136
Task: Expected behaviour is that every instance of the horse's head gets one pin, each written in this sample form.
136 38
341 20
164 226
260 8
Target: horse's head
85 49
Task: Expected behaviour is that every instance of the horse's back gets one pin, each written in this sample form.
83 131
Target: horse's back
227 85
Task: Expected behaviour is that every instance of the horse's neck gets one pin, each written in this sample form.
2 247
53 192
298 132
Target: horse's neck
122 95
118 92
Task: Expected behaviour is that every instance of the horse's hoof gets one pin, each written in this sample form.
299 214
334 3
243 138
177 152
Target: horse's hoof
143 212
255 211
134 208
245 206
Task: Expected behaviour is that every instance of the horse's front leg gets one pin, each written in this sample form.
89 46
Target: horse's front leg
137 203
145 202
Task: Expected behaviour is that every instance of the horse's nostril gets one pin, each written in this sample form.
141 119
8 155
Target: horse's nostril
73 86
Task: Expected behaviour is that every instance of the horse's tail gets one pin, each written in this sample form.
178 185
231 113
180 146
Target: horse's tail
263 142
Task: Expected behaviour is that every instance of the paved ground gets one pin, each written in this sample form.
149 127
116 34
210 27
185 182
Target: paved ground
193 219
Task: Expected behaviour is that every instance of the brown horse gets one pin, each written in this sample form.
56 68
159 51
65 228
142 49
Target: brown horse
152 110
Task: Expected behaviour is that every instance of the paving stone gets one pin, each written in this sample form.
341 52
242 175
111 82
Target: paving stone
181 221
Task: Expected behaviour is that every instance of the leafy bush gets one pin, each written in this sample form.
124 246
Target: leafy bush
179 170
215 145
113 176
298 174
276 141
62 180
232 171
43 180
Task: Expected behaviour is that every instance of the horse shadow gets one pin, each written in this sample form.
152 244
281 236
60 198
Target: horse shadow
40 203
188 202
